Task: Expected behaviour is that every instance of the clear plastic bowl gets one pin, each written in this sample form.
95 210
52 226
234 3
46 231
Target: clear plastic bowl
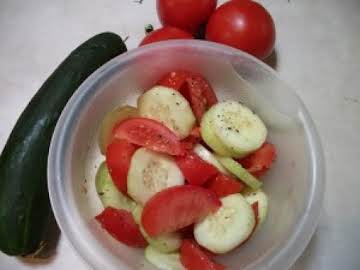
295 185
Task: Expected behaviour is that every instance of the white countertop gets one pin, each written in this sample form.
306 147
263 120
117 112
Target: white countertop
318 53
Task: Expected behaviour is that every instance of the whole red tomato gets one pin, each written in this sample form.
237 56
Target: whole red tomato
165 33
245 25
188 15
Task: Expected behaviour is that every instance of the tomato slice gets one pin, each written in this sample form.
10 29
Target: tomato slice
259 162
122 226
224 185
150 134
177 207
190 141
118 157
194 87
194 258
195 170
175 79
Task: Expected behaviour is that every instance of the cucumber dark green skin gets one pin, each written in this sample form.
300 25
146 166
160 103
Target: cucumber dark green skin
24 202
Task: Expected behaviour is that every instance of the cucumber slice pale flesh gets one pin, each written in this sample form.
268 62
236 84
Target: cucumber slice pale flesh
258 196
151 172
227 228
169 107
237 127
210 138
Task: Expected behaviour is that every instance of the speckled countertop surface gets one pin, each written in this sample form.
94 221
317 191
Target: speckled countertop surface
317 52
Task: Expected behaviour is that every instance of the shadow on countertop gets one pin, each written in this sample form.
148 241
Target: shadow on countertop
272 60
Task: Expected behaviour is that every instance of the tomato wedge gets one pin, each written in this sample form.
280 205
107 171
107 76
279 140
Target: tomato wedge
175 79
122 226
195 170
190 141
194 258
224 185
194 87
177 207
118 157
150 134
259 162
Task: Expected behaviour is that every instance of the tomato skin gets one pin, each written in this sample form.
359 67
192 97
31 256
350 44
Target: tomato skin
195 170
177 207
122 226
194 87
223 185
188 15
118 157
150 134
194 258
259 162
245 25
165 33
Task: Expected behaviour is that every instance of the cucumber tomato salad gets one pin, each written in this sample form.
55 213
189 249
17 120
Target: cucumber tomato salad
182 173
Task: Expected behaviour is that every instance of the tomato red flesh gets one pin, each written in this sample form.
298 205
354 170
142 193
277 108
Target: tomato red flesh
194 258
122 226
165 33
245 25
195 170
259 162
118 157
150 134
194 87
185 14
177 207
190 141
224 185
174 79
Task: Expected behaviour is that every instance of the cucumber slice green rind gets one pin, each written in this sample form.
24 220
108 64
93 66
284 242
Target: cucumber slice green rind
210 138
227 228
165 243
108 192
163 261
236 169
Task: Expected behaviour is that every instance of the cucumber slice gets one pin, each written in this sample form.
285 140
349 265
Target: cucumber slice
109 195
165 243
210 138
163 261
151 172
110 120
206 155
237 127
236 169
227 228
262 199
169 107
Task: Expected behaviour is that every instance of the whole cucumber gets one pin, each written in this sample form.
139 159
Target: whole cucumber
24 202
